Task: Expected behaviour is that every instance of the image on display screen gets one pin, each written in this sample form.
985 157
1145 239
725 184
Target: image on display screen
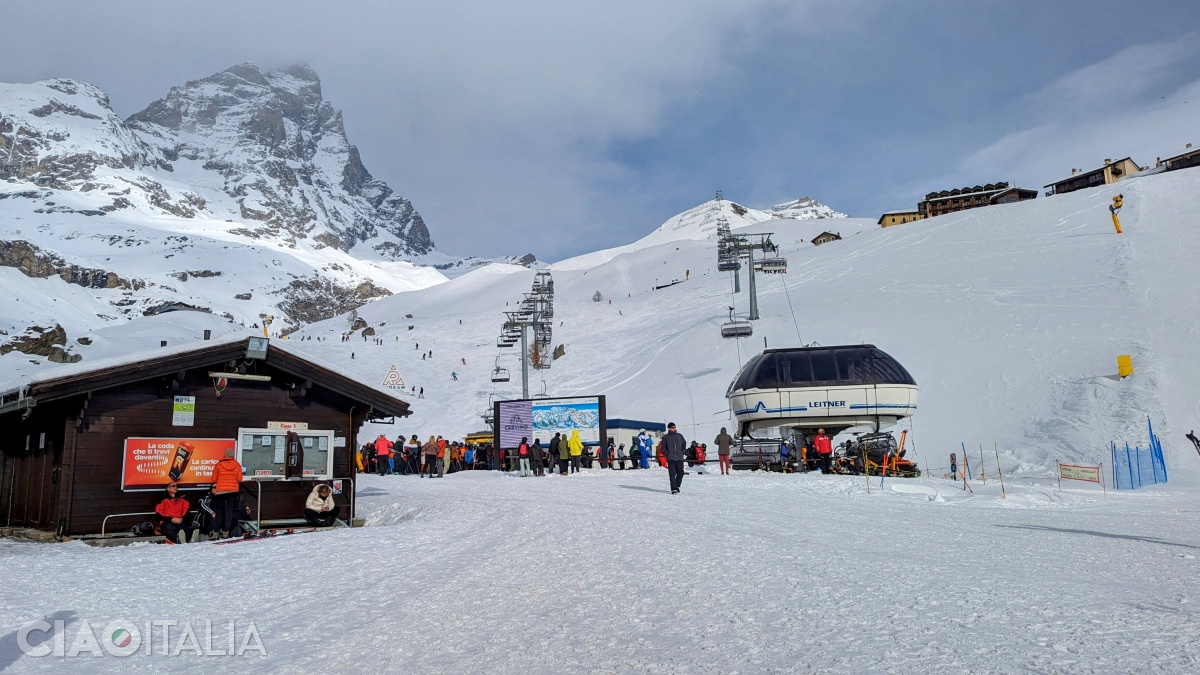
542 418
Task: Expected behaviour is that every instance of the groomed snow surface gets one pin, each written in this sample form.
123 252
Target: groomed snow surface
605 571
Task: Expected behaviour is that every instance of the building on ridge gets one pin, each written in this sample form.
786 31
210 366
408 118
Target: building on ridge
1189 158
961 199
1108 174
825 237
899 217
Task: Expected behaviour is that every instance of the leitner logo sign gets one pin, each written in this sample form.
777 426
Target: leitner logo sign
827 404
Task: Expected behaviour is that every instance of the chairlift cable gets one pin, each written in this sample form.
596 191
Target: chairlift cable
792 310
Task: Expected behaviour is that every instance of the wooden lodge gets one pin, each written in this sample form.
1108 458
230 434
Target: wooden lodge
82 444
825 238
1188 158
1108 174
961 199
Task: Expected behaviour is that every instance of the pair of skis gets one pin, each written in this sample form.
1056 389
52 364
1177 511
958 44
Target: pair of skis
264 534
1191 436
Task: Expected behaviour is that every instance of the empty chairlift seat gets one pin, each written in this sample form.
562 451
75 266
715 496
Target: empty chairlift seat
736 329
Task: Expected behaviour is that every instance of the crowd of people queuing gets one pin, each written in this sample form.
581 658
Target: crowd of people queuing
563 453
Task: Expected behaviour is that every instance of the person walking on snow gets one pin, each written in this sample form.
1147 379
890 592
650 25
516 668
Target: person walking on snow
723 441
675 449
824 449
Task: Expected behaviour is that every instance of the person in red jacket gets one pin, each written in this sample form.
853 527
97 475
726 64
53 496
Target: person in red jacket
824 449
227 481
172 514
383 451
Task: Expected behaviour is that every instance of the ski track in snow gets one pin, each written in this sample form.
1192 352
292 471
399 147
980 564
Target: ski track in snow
606 572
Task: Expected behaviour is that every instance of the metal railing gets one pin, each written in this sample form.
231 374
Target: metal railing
258 514
104 523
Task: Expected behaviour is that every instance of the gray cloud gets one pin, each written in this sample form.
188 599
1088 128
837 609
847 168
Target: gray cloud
559 127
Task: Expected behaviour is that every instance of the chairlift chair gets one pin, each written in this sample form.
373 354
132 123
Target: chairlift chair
735 328
729 266
500 374
772 265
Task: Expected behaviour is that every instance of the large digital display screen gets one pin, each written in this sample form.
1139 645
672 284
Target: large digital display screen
543 417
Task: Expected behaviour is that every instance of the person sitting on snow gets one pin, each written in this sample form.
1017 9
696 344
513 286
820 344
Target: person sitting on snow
319 509
172 511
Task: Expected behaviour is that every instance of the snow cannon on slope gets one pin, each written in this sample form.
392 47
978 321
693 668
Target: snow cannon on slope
833 388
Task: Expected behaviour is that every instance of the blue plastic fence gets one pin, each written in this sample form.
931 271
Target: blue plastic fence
1134 468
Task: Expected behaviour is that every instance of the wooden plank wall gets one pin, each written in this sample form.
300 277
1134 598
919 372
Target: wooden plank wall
145 409
30 452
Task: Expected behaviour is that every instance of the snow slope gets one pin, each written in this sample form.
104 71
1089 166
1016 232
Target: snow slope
604 571
1010 318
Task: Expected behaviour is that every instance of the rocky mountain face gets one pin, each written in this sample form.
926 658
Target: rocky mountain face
281 154
238 194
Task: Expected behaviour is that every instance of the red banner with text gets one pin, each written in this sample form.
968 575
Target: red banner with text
151 463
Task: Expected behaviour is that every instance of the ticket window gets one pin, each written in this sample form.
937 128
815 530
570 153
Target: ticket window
317 455
280 453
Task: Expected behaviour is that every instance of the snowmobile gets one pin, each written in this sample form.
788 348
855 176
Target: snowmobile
876 454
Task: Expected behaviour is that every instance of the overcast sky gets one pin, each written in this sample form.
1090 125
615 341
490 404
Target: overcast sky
559 127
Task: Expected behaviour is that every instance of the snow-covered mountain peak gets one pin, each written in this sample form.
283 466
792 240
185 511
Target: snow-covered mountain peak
700 222
243 176
804 208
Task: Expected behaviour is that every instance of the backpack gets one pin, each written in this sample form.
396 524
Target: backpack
143 529
524 450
